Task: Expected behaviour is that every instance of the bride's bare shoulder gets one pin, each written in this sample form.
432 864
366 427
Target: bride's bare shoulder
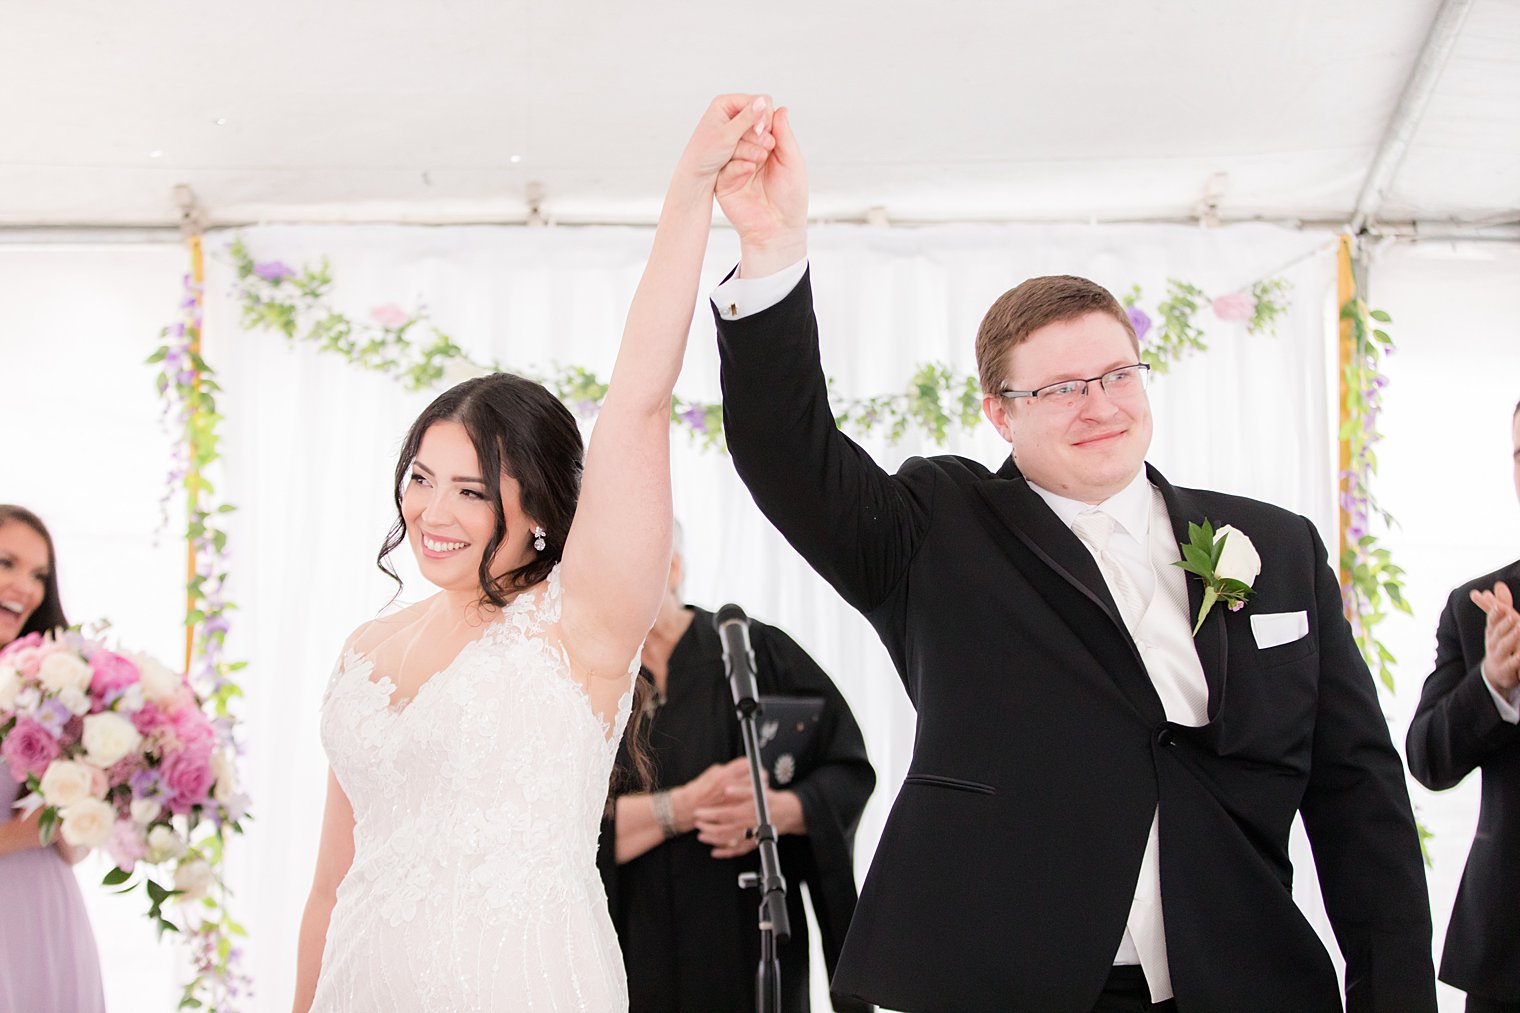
380 629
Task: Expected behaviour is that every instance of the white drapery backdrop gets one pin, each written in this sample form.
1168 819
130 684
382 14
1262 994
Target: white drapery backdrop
310 445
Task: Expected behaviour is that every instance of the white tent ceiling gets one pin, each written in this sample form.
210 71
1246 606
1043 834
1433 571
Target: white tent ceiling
446 110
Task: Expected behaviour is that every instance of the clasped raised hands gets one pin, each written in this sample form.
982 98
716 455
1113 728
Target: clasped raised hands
734 131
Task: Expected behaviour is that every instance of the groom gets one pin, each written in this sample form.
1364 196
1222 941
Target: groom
1097 812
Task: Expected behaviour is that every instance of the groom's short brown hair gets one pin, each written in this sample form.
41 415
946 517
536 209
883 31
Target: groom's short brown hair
1022 310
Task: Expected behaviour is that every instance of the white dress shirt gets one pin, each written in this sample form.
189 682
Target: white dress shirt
738 297
1143 544
1508 703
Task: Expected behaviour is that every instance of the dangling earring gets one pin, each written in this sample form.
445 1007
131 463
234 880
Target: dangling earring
538 538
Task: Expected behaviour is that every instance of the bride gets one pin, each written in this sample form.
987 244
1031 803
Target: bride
471 735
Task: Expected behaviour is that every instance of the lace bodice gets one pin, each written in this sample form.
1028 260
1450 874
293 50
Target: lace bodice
477 806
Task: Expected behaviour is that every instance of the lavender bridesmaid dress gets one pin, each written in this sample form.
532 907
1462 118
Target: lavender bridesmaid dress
48 960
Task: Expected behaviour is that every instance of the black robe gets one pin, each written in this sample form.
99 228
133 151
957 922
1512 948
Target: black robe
689 934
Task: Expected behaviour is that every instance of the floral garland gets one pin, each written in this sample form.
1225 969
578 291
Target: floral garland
408 346
1372 582
187 385
1178 334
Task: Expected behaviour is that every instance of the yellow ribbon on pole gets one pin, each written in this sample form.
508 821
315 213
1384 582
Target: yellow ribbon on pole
1345 292
198 277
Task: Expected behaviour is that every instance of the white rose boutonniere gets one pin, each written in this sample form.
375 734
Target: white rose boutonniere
1227 563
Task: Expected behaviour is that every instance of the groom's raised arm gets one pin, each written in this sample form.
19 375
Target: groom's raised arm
854 523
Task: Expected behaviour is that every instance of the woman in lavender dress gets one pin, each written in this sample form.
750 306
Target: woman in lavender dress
48 960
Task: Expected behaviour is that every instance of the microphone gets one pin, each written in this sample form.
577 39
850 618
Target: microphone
738 657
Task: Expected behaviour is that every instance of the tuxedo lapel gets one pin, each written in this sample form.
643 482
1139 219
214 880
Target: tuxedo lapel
1211 641
1067 564
1028 516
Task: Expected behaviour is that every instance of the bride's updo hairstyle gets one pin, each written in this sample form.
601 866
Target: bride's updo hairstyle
519 428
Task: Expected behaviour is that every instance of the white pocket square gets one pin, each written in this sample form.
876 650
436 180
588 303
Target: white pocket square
1273 629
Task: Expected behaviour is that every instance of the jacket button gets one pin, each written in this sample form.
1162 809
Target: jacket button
1165 736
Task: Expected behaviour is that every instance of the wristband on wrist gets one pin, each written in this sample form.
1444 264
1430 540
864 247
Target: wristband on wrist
664 814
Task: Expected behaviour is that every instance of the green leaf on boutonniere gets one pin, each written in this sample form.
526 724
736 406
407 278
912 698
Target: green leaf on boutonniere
1200 556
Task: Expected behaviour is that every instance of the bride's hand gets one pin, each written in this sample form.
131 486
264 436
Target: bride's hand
734 129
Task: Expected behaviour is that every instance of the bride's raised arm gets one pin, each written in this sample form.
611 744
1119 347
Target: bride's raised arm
617 553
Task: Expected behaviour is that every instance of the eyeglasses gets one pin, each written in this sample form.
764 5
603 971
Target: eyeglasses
1119 384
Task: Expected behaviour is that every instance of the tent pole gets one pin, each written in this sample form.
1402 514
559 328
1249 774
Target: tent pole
1439 42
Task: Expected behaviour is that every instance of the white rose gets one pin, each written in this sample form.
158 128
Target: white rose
67 783
164 844
1238 559
225 772
63 670
76 700
145 811
192 879
10 685
28 699
108 737
158 683
88 823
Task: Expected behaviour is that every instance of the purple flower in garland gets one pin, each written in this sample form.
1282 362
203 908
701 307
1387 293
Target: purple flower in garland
1140 321
696 417
273 270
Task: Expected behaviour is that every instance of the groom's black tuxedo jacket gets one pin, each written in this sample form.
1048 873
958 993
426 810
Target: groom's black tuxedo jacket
1457 729
1007 868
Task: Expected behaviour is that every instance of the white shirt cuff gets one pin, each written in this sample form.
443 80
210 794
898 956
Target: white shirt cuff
1508 704
738 297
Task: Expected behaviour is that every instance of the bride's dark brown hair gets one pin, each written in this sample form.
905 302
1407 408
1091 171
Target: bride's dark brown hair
520 429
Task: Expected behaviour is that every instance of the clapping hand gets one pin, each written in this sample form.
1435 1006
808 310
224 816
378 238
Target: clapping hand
1501 637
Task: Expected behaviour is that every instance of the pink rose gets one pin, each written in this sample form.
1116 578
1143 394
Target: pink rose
112 671
18 645
188 775
390 315
1235 307
149 718
127 846
26 655
193 731
28 749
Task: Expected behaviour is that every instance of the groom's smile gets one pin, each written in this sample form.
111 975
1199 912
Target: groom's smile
1087 448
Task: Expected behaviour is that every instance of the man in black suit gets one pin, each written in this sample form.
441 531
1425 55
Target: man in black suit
1469 718
1097 812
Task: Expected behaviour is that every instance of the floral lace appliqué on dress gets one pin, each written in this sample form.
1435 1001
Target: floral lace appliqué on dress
477 806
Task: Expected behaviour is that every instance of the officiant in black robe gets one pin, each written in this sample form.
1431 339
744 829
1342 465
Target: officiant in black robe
671 854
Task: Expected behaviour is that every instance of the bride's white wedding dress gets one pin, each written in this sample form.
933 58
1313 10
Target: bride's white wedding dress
477 807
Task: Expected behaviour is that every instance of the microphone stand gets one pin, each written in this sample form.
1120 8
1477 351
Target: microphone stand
775 925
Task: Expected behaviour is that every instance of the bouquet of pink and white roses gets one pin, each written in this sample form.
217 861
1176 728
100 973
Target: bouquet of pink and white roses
118 753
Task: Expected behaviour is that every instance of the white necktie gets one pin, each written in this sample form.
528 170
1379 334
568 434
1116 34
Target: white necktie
1095 528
